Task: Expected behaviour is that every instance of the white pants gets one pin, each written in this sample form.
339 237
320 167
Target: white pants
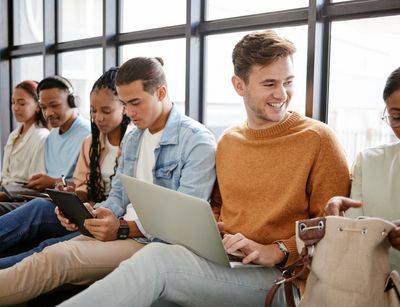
173 273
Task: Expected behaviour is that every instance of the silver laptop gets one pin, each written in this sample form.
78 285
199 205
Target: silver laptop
177 218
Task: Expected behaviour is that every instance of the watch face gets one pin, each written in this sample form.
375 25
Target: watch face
123 232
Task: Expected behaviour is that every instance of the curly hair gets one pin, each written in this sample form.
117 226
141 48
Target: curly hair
95 185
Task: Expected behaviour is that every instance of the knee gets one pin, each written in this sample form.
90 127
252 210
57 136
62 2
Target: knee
158 256
148 262
150 251
155 251
39 206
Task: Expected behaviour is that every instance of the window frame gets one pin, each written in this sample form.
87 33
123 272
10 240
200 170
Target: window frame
317 17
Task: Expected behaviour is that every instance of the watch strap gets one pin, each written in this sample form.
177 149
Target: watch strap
123 230
284 250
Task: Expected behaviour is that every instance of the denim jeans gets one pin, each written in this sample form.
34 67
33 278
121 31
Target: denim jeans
8 206
174 274
34 221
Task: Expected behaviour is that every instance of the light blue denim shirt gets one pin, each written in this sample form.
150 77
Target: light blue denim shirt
184 161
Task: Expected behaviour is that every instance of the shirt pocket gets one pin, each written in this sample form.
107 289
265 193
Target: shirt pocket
167 170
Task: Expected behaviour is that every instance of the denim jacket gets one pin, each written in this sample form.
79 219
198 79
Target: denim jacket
184 161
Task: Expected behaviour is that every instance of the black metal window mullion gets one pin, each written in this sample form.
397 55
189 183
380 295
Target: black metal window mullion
6 32
317 62
194 76
50 34
110 28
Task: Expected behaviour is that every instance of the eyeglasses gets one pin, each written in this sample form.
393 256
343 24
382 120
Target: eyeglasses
392 121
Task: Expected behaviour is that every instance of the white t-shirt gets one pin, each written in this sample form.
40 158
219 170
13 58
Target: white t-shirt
146 161
107 167
144 167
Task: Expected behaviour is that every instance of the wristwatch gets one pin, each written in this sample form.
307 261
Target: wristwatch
284 250
123 230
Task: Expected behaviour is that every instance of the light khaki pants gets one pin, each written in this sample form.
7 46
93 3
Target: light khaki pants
81 260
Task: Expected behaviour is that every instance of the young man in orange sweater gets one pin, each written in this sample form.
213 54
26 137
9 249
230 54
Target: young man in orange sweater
274 169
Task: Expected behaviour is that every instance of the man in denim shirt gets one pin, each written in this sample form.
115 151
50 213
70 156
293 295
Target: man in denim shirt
167 148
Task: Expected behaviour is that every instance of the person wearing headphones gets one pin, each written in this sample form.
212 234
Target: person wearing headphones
96 167
62 146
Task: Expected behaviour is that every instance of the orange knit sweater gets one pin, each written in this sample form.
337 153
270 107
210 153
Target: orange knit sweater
270 178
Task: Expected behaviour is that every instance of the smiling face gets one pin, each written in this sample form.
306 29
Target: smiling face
143 108
54 104
267 93
24 107
106 110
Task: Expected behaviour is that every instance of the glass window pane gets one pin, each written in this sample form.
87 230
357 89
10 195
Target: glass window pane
82 68
217 9
151 14
28 21
173 54
27 68
224 106
364 52
80 19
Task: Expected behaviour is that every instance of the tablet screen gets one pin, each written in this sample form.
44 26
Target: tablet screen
72 207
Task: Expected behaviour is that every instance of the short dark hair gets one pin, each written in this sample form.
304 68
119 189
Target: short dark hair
259 48
60 83
148 70
56 82
392 84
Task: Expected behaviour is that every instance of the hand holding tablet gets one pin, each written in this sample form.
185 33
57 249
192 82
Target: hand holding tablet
72 208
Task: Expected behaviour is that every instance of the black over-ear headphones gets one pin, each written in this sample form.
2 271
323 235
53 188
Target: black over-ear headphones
49 82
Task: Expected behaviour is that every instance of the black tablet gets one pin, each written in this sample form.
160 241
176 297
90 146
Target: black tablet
72 207
17 192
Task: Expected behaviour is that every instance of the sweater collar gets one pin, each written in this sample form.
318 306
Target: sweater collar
274 130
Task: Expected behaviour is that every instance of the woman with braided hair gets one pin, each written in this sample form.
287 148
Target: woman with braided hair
36 220
98 158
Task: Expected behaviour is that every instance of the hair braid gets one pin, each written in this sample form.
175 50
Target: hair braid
95 186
